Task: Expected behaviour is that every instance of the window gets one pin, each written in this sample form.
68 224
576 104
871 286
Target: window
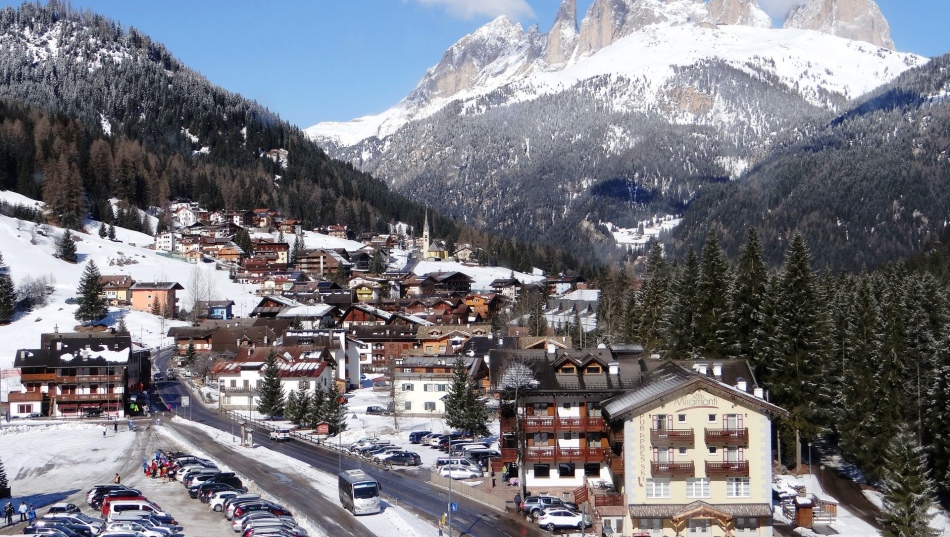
652 525
407 387
566 469
681 418
732 421
697 487
567 406
541 439
408 405
747 524
407 370
233 383
682 451
712 450
594 370
430 405
662 455
443 387
662 422
712 418
699 525
592 469
542 470
738 487
568 370
428 387
658 488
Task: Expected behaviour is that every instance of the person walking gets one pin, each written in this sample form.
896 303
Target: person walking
517 502
31 514
22 511
115 426
8 513
117 480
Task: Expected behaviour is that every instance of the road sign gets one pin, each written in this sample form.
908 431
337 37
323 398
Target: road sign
185 400
454 507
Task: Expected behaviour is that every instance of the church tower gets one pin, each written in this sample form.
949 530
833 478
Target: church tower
425 235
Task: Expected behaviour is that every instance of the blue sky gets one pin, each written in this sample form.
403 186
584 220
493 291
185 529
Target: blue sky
320 60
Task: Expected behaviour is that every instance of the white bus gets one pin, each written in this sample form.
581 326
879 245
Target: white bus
359 493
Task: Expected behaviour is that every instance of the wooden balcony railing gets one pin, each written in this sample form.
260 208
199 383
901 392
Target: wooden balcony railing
604 500
672 469
26 397
38 377
538 424
86 379
615 462
73 397
727 437
666 437
727 469
241 390
554 454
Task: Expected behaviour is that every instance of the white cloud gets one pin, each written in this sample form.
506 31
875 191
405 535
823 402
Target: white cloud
470 9
777 9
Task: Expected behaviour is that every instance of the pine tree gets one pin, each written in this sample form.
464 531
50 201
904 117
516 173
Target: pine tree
712 300
190 353
121 328
271 393
102 231
66 247
938 415
463 410
652 324
292 407
316 413
243 241
156 307
297 250
4 480
111 232
377 266
7 294
747 298
908 488
683 337
334 411
91 305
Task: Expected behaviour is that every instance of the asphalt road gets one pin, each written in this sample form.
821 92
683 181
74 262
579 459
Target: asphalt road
472 518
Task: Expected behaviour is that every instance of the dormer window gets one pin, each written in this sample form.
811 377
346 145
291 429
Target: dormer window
568 370
594 370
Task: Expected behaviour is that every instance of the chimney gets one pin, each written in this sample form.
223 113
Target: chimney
717 370
758 392
741 384
701 368
550 348
613 368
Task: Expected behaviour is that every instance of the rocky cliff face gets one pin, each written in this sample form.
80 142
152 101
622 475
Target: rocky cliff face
860 20
562 39
742 12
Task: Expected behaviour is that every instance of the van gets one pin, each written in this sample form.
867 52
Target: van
460 461
416 436
109 500
117 507
481 456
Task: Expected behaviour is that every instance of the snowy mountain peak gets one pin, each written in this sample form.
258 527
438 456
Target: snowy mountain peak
744 12
860 20
562 38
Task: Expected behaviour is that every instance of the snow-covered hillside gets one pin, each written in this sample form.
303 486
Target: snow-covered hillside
809 63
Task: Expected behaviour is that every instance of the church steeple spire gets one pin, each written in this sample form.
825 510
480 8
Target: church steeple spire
425 234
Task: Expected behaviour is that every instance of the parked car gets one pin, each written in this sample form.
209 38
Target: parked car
63 508
552 519
456 471
216 502
533 505
376 410
416 436
92 412
405 458
279 435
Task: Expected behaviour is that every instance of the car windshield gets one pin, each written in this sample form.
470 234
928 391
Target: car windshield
365 491
83 517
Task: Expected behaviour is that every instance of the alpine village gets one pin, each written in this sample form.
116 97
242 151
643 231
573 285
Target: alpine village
622 286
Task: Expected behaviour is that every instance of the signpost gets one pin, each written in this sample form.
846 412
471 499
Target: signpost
186 401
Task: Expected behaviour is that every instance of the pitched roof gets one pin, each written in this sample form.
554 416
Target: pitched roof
160 286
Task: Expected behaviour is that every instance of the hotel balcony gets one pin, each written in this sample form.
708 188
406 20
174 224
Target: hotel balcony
87 379
38 377
670 437
550 424
25 397
727 437
672 469
727 469
555 454
74 397
239 390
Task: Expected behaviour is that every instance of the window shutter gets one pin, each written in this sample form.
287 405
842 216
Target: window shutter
656 454
739 420
741 454
669 422
656 419
725 421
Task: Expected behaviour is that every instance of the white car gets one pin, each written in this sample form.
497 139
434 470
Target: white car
455 471
280 435
136 527
216 503
558 517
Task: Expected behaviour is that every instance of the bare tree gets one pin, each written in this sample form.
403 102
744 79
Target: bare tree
516 380
201 288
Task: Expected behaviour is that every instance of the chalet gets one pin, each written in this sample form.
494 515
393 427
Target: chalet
145 296
184 216
240 379
339 232
576 307
445 283
194 256
115 289
485 305
323 262
215 309
263 218
448 339
72 373
382 344
231 253
506 287
309 317
276 253
199 337
271 305
464 253
558 285
241 218
422 382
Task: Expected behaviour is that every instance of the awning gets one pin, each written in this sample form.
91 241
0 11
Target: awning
701 510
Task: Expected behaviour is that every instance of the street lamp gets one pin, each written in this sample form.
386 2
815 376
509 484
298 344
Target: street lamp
809 458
